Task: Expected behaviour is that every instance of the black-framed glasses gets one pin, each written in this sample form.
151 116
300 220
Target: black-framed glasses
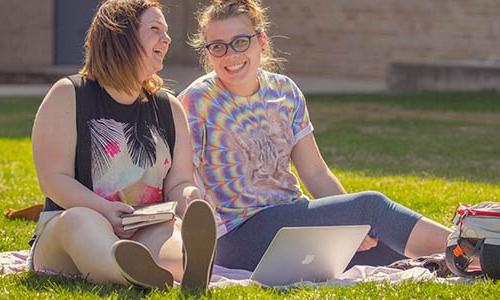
239 43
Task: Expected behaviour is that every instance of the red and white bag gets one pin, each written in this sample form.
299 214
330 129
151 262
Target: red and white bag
476 234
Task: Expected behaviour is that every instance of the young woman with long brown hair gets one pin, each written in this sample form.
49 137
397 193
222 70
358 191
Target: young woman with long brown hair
108 139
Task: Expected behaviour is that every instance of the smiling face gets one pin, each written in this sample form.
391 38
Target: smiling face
154 39
236 70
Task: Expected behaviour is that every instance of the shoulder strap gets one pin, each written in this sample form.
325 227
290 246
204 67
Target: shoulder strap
82 154
86 95
165 118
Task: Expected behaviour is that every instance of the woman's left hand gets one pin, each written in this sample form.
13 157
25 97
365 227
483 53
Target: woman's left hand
368 243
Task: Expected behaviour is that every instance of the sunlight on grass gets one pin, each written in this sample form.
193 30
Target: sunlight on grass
435 198
429 152
390 139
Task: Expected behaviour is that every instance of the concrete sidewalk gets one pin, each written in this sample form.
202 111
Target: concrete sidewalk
179 77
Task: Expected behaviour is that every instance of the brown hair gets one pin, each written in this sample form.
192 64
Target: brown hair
113 53
224 9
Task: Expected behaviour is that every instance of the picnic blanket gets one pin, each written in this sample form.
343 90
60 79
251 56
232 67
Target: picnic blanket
14 262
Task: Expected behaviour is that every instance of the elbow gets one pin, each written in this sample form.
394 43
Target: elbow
316 175
48 184
44 184
323 183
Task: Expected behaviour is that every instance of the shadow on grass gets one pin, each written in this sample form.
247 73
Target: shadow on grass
450 136
17 115
418 136
487 101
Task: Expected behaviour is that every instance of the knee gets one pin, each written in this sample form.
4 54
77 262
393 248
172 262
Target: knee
374 201
78 218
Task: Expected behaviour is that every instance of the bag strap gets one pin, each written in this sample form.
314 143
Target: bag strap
467 210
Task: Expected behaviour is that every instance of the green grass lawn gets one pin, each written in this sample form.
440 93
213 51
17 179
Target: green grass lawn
429 152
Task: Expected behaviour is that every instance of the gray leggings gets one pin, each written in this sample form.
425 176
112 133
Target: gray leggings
391 224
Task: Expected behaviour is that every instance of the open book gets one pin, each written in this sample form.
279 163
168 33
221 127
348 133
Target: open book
148 215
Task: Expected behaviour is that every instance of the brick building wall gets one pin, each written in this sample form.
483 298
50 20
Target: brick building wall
27 39
26 33
180 19
340 38
358 38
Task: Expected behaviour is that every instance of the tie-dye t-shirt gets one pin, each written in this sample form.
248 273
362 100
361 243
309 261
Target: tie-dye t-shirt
242 145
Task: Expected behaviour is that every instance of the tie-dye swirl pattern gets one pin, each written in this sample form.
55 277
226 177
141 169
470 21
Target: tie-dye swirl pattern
242 145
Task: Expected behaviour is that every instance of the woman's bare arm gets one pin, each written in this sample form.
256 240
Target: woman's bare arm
54 145
179 185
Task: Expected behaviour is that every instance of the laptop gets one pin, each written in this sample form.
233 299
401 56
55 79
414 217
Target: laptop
314 254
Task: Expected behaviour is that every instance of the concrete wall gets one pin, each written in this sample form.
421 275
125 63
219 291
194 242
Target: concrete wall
458 76
26 34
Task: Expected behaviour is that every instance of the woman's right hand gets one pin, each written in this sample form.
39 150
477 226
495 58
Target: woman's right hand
113 212
368 243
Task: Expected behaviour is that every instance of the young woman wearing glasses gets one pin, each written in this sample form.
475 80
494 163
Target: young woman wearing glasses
248 124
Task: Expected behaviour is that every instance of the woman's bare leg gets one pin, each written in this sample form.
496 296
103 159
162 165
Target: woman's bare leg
426 238
165 244
78 242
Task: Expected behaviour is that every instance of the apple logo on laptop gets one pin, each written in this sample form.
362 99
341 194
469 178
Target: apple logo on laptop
308 259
